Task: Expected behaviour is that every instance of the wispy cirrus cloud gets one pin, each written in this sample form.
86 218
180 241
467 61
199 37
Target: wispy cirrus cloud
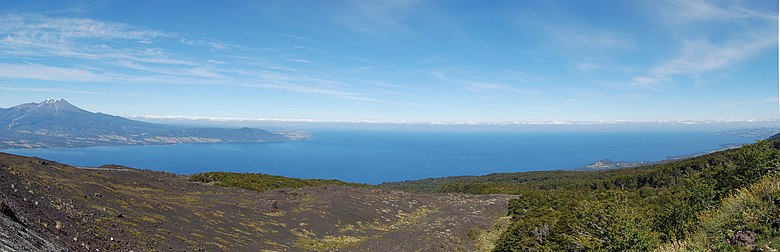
38 36
298 61
316 90
683 12
55 30
597 64
119 53
592 38
703 51
702 56
564 32
378 16
46 90
482 85
28 71
48 73
29 34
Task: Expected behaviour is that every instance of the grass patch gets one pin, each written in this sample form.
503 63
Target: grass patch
262 182
485 239
328 242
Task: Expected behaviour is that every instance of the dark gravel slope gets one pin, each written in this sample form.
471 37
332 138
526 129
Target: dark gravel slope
56 207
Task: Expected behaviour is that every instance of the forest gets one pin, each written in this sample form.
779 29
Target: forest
723 201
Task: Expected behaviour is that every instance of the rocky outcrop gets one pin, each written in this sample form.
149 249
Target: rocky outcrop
16 236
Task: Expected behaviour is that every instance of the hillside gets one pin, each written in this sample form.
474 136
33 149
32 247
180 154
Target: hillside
56 207
57 123
722 201
262 182
664 205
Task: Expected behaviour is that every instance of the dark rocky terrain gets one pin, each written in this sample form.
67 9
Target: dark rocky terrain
48 206
57 123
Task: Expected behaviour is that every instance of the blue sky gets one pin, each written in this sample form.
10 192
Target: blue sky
401 60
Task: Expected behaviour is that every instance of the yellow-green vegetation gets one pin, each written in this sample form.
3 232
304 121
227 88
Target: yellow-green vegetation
719 201
328 242
404 219
262 182
485 239
754 210
278 213
308 240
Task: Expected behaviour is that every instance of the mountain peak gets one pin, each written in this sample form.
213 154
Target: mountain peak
46 107
57 105
52 101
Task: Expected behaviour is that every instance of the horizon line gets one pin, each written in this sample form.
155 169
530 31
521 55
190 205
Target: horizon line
453 123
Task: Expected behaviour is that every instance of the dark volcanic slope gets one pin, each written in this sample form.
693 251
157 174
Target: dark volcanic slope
52 205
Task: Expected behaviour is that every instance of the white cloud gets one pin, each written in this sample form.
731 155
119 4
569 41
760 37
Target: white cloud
316 90
123 54
296 37
682 12
63 30
39 36
564 31
482 85
647 81
439 75
298 61
702 56
204 72
747 33
602 64
213 44
46 90
56 36
378 16
697 57
48 73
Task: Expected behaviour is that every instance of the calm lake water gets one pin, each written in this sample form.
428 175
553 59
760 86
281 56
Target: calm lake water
378 156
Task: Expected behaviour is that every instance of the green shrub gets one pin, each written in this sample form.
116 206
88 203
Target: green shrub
694 203
261 182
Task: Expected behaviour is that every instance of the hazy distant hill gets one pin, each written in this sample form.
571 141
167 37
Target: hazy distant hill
57 123
607 164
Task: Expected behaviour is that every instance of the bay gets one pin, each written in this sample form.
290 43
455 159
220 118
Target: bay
375 156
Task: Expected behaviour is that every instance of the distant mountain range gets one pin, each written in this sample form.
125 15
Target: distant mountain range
57 123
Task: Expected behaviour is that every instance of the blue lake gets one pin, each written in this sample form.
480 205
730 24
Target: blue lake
371 156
